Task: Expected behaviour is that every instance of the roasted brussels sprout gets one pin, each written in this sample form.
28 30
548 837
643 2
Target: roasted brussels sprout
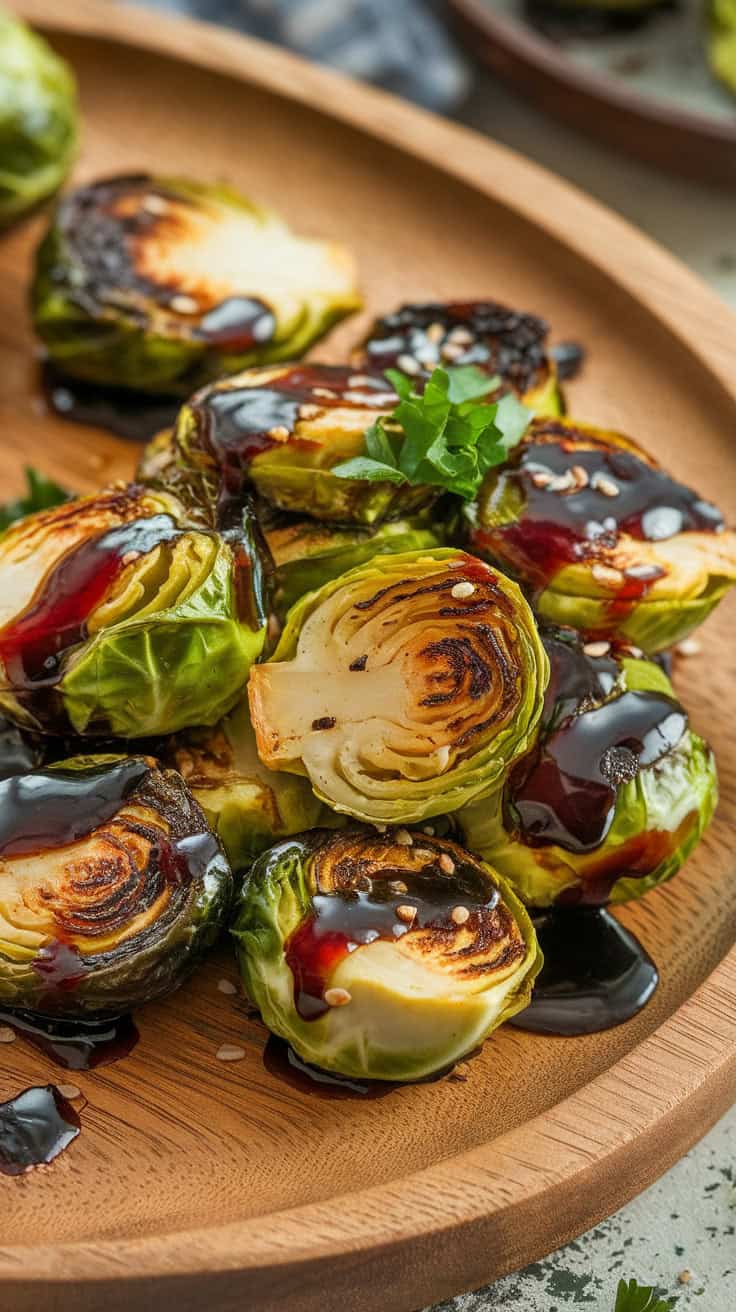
404 688
162 284
248 806
116 618
111 885
307 554
281 430
503 343
38 118
382 956
721 40
603 538
616 792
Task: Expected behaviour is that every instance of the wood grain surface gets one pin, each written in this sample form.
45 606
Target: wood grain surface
199 1185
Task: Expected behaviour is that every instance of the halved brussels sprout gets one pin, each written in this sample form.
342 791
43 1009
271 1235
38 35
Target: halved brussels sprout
248 806
117 618
111 885
162 283
281 430
501 342
382 956
721 40
38 118
616 792
404 688
308 554
603 538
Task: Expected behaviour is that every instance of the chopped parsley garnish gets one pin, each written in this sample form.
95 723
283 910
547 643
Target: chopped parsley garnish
42 494
632 1297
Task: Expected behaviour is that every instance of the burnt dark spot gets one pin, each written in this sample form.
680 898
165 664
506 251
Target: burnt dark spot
325 722
358 664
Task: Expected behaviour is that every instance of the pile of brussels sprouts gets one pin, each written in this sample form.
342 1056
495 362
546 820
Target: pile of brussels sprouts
365 722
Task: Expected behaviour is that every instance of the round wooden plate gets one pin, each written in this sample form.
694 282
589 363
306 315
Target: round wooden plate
684 138
198 1185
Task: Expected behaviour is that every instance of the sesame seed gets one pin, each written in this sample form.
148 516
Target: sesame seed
397 886
69 1091
435 332
606 574
6 1034
337 997
451 351
685 1277
226 986
447 864
408 365
563 483
429 829
230 1052
361 380
459 915
462 590
605 485
325 392
597 648
403 838
443 758
461 335
540 479
183 304
423 854
580 475
279 433
154 204
643 572
689 647
308 411
381 829
406 913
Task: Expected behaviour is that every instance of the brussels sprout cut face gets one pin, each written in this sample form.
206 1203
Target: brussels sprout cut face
382 958
605 540
500 341
38 119
111 885
616 792
160 284
404 688
247 805
116 618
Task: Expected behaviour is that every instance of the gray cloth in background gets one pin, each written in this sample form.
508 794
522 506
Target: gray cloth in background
398 44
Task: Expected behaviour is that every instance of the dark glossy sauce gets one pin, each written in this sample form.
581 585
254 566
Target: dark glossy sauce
482 333
240 323
78 1044
53 808
569 358
35 1127
19 751
281 1060
595 974
33 644
136 416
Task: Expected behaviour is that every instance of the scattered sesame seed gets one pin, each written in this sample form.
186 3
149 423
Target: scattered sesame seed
443 758
381 829
325 392
605 485
361 380
230 1052
279 433
429 829
606 574
6 1034
182 304
597 648
447 864
689 647
423 854
643 572
154 204
435 332
69 1091
451 351
462 590
308 411
685 1277
406 913
408 365
459 915
337 997
461 335
580 475
563 483
226 986
540 479
397 886
403 838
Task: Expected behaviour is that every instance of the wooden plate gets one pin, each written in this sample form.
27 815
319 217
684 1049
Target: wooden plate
197 1185
648 93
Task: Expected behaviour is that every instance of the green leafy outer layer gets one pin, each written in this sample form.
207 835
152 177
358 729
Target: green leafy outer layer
390 1030
38 118
131 949
675 796
721 40
380 759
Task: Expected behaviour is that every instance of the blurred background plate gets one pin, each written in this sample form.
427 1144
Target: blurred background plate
646 90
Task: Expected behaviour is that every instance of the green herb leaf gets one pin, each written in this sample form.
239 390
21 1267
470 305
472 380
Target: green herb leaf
42 494
632 1297
447 436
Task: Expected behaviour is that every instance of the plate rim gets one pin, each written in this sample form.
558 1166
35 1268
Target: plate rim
409 1221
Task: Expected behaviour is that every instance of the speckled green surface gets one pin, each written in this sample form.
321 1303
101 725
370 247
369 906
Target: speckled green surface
684 1226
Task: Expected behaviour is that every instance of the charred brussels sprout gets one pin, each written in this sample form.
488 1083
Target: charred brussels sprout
307 554
721 40
404 688
381 959
503 343
111 885
161 284
602 537
615 794
118 618
38 119
281 431
248 806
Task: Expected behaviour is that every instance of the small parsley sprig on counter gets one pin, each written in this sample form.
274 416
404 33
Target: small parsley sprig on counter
632 1297
42 494
444 436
